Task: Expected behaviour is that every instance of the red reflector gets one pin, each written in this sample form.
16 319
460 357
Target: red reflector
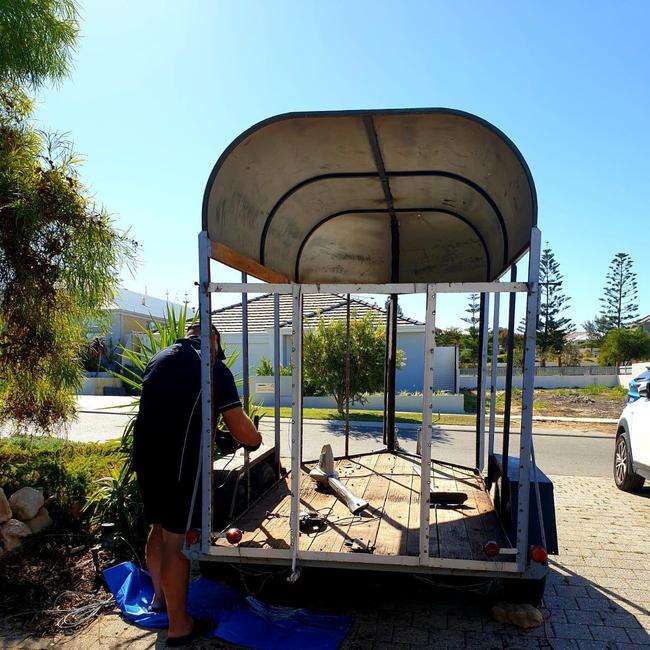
491 549
539 554
192 536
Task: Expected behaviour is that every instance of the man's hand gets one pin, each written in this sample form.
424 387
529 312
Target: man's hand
241 427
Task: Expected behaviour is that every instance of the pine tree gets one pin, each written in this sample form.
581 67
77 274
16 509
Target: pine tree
552 327
473 319
619 308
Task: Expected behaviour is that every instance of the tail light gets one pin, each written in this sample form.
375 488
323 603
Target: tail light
491 548
192 536
539 554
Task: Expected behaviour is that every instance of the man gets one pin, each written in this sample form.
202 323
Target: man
166 457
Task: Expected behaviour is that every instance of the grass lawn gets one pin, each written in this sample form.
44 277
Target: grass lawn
370 416
591 401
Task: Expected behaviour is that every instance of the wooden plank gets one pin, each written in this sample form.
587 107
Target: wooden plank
356 480
474 521
450 527
488 515
393 531
413 537
249 523
366 526
230 257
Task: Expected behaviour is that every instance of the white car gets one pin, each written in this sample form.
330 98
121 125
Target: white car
632 455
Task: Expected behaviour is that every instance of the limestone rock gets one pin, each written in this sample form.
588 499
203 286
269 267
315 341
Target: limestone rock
12 532
40 522
522 615
5 508
25 503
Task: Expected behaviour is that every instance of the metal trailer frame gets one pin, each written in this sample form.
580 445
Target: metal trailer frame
522 567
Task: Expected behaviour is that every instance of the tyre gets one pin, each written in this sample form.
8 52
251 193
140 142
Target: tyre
524 590
624 476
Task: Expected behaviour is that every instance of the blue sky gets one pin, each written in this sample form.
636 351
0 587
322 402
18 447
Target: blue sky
159 89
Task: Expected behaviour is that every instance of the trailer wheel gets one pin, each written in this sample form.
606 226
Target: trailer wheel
624 475
525 590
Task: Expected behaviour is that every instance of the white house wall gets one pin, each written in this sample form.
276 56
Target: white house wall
409 378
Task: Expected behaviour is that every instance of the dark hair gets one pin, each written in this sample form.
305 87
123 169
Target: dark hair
195 330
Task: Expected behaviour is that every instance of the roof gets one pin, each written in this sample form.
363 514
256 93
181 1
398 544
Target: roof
141 303
644 319
331 307
577 337
417 195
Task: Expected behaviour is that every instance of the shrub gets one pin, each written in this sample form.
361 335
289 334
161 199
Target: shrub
65 471
265 369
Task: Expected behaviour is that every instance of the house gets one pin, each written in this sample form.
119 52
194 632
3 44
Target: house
129 314
329 307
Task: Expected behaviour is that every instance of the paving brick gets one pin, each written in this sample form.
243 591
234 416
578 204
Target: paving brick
410 635
604 633
571 631
638 636
447 639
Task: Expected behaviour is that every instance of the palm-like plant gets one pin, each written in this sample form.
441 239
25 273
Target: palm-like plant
117 497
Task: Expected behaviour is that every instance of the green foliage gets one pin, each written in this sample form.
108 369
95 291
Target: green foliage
36 40
60 255
552 327
450 337
325 352
619 308
622 346
265 369
65 471
152 341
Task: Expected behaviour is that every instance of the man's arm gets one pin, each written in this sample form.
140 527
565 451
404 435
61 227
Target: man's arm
241 427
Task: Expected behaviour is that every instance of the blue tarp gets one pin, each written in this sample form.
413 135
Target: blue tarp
239 619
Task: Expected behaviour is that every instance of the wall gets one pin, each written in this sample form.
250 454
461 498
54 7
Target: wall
637 369
447 403
95 385
409 378
546 381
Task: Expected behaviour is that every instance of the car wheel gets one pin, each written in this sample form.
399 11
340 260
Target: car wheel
624 477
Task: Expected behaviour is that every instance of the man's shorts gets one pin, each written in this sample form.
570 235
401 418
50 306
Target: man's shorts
167 489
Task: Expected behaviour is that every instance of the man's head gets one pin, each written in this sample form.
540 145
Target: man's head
194 331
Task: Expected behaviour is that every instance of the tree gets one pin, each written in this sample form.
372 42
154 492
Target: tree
450 336
623 345
552 327
60 255
36 40
324 358
596 330
619 308
473 319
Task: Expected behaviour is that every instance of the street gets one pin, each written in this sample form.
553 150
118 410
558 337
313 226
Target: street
560 452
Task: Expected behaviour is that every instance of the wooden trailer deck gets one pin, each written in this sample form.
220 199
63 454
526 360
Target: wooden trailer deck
391 484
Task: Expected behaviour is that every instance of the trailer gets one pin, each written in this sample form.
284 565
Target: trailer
390 202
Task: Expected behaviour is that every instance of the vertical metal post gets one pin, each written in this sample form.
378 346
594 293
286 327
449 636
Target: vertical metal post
508 393
480 402
296 421
206 390
493 373
276 376
244 345
386 355
526 438
426 432
391 349
347 377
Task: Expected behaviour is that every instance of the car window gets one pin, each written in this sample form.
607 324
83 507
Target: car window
644 376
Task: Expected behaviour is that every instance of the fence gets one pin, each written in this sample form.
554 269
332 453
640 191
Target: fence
560 371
